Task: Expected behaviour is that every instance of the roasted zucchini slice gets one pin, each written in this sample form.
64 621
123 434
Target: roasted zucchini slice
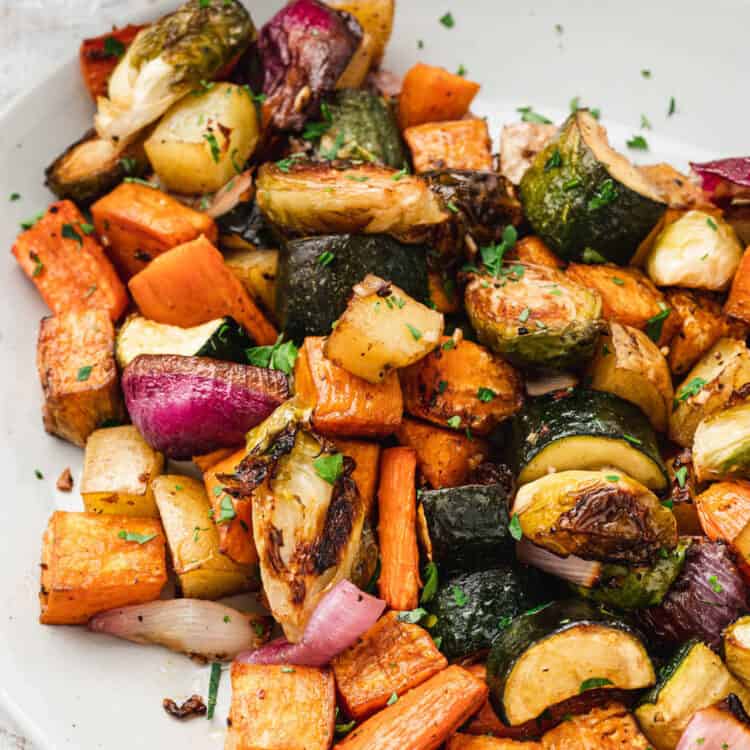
566 648
693 679
595 514
630 365
222 338
721 447
316 276
579 194
737 649
720 379
583 429
470 608
534 316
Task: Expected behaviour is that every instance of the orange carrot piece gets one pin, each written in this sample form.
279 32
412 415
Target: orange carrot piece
432 94
365 474
474 742
724 509
67 265
397 531
738 302
98 57
423 718
190 285
209 460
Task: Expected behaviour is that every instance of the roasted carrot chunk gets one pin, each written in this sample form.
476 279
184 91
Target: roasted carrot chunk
738 303
138 223
190 285
76 364
397 531
391 657
208 460
533 251
365 475
92 563
99 56
432 94
343 404
423 718
460 144
445 457
277 707
475 742
68 265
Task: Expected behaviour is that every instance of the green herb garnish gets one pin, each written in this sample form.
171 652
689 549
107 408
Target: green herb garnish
430 576
210 138
454 422
213 689
330 467
416 334
84 373
554 161
412 616
681 476
486 394
448 21
326 258
69 232
638 142
594 682
133 536
459 596
605 194
515 527
227 512
528 115
655 324
280 356
113 47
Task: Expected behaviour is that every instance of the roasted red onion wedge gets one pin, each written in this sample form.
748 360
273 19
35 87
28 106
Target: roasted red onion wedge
725 179
571 568
718 727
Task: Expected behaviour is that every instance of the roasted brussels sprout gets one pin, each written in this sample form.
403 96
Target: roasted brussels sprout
721 447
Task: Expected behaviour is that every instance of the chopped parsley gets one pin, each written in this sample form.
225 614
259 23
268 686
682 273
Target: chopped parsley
605 194
326 258
667 504
420 44
646 73
430 576
87 229
612 478
461 71
29 223
524 316
315 130
572 183
452 207
227 512
459 596
528 115
442 385
712 224
681 476
128 164
594 682
280 356
69 232
84 373
392 699
645 123
15 197
329 468
617 280
133 536
638 142
400 174
237 166
672 106
492 255
258 98
448 345
38 474
692 388
139 181
715 585
454 422
485 395
38 265
213 682
448 21
357 177
592 257
287 670
113 47
286 164
342 729
559 28
655 324
412 616
210 138
554 161
515 527
632 439
416 334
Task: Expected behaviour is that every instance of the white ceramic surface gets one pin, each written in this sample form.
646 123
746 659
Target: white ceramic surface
70 689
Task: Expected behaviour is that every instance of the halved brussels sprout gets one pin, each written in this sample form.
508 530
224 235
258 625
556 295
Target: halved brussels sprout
721 447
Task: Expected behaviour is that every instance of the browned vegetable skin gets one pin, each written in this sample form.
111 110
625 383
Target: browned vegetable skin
458 144
738 302
684 488
366 471
532 251
678 189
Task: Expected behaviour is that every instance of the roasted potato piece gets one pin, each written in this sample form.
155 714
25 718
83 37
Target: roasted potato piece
465 382
459 144
628 297
609 728
92 563
738 302
277 707
118 469
256 269
345 405
376 19
203 572
520 142
76 364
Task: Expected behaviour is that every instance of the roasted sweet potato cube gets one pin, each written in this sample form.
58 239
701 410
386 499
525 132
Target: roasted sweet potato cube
609 728
92 563
118 469
277 707
209 460
391 657
475 742
457 144
445 457
136 223
365 475
738 303
466 381
532 251
76 364
68 265
343 404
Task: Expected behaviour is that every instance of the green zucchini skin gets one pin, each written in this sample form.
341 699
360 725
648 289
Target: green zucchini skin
245 227
668 671
363 127
310 296
470 607
468 526
557 200
580 412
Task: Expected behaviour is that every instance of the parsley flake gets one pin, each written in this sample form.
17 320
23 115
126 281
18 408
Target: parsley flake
655 324
133 536
227 512
554 161
84 373
638 142
605 194
672 106
459 596
280 356
454 422
594 682
392 699
681 476
113 47
430 577
715 585
69 232
210 138
448 21
415 332
514 527
528 115
326 258
213 682
330 467
485 395
712 224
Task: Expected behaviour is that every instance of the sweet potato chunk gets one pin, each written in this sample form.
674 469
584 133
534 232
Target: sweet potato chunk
138 223
459 144
475 742
609 728
391 657
466 381
532 251
365 474
76 364
445 457
67 265
738 303
424 717
343 404
208 460
278 707
92 563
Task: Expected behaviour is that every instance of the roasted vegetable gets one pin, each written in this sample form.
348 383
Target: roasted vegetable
460 144
737 649
677 189
531 251
361 126
316 275
609 728
222 338
202 570
188 405
376 19
168 59
738 302
600 515
721 446
720 379
256 270
92 563
342 404
391 657
281 707
630 365
520 142
582 429
76 365
466 527
683 490
303 50
534 315
204 140
382 329
698 251
530 669
693 679
473 608
91 167
119 468
68 265
725 725
432 94
724 510
190 285
708 595
244 228
580 194
365 475
98 57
